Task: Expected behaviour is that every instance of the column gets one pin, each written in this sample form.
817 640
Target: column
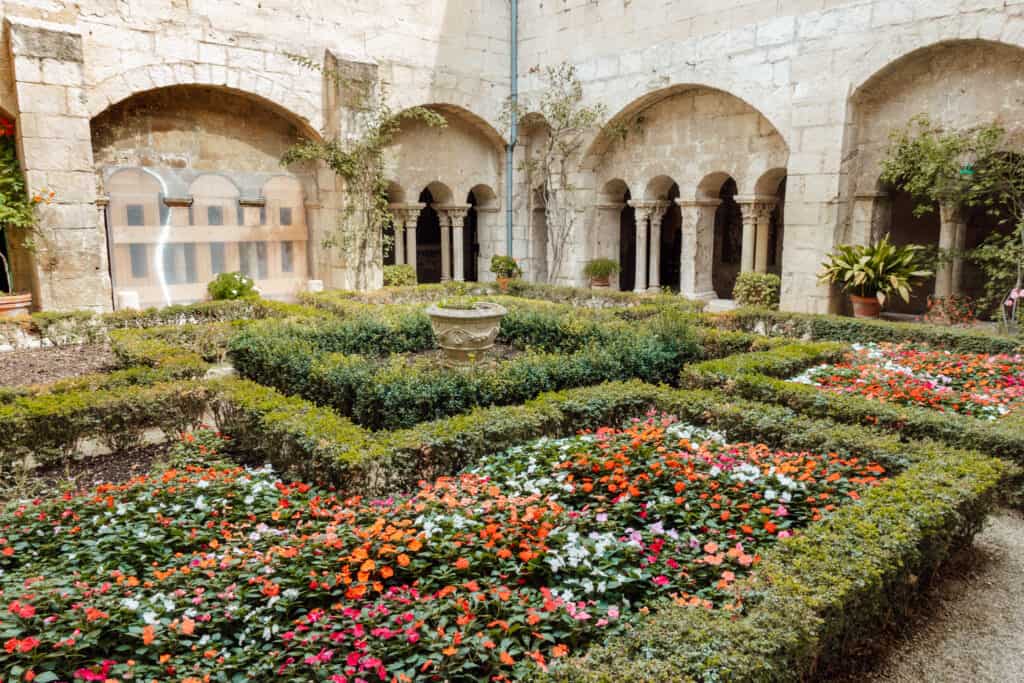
456 215
764 224
643 213
957 268
951 225
654 262
70 265
753 207
411 218
399 245
446 245
696 260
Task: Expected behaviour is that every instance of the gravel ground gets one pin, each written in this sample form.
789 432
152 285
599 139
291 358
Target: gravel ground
969 626
41 366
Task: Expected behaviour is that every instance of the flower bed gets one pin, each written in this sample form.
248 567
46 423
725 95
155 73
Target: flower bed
219 573
979 385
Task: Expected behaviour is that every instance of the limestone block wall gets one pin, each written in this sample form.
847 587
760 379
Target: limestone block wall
796 62
424 52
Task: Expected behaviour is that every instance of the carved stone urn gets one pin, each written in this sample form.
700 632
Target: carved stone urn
466 333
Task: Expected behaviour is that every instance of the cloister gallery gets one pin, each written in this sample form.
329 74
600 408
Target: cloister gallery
753 135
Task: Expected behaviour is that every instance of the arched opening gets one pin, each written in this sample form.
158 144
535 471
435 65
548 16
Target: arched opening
777 231
428 241
391 249
671 242
728 240
471 239
907 228
627 245
217 200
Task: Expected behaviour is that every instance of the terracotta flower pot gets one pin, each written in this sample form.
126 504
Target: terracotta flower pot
503 283
15 304
865 306
599 282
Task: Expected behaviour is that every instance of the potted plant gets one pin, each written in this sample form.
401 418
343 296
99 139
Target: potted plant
505 268
465 328
17 219
874 272
599 271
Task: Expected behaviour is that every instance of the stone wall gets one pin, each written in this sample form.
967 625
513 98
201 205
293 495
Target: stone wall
807 86
797 62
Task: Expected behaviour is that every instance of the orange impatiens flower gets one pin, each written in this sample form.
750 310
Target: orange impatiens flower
462 563
148 634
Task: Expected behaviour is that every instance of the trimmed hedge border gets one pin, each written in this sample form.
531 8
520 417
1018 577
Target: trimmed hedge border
756 377
837 328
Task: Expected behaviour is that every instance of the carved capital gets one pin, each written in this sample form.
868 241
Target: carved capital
406 215
455 213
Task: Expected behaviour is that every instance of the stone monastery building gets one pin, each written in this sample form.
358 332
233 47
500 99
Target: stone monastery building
755 129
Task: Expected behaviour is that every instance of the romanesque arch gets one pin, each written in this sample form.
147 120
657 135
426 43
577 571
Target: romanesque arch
957 84
457 191
223 204
696 139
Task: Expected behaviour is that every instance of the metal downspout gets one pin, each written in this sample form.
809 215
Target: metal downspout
514 123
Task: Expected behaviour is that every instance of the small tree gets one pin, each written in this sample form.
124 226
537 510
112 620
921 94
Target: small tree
17 209
358 160
976 167
567 121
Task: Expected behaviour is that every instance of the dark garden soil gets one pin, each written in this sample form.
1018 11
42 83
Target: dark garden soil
967 626
90 471
41 366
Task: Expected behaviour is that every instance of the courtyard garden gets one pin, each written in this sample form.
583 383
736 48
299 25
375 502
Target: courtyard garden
621 487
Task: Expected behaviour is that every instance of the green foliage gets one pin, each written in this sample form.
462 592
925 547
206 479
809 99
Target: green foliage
875 270
757 289
505 266
601 268
229 286
976 167
357 158
17 210
402 275
50 427
836 328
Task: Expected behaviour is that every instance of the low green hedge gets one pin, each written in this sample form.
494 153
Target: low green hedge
837 328
51 427
785 360
819 593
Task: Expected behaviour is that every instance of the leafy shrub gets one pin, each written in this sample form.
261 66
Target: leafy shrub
836 328
505 266
601 268
875 270
757 289
231 286
402 275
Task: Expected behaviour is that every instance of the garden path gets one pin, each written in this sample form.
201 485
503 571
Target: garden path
970 624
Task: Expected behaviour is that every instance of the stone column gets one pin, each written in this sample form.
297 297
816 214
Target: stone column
405 217
456 216
446 245
642 215
399 245
696 260
70 265
764 225
952 226
654 262
957 267
753 207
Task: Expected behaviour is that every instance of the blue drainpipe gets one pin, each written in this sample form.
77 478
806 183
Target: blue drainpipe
514 125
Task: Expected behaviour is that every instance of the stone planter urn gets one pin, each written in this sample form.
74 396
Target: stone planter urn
465 334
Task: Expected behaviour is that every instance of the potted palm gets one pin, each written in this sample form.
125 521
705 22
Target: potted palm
17 218
505 269
872 273
599 271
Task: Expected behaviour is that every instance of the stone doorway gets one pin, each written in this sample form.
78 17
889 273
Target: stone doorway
428 241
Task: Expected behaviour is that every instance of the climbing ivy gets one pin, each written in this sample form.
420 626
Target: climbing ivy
17 209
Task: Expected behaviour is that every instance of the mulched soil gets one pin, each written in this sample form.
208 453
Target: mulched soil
88 472
968 626
41 366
